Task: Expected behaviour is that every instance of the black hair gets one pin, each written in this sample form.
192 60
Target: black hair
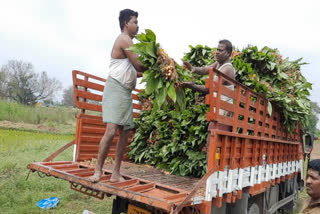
315 165
125 16
228 45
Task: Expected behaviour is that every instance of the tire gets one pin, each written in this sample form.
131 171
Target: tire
253 208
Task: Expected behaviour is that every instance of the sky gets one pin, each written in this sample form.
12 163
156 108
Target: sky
64 35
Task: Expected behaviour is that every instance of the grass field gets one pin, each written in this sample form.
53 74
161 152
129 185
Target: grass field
18 195
42 118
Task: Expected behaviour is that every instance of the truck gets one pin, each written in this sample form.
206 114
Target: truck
259 169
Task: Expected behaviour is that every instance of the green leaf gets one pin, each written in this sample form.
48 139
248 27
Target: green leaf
269 108
141 37
180 99
151 85
135 49
283 75
162 96
150 35
150 49
172 92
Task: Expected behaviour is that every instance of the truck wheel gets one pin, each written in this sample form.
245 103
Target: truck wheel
253 208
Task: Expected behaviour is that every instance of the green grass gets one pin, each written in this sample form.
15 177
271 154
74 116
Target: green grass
18 195
56 118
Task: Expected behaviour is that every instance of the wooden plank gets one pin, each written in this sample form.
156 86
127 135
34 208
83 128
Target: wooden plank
212 161
211 114
246 113
55 154
221 132
218 100
228 92
86 173
126 183
88 106
88 95
224 153
89 121
135 97
135 114
56 163
93 130
177 196
76 72
142 188
87 116
90 85
137 106
66 166
71 171
237 110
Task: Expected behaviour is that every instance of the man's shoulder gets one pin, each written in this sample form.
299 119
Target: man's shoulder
311 210
311 207
227 67
123 38
229 64
123 41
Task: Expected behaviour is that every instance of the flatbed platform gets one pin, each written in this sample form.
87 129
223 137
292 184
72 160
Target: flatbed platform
142 183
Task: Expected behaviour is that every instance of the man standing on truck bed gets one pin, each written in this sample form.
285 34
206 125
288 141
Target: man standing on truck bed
313 188
223 53
117 108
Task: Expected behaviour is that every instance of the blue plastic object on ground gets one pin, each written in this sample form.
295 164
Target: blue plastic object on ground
48 202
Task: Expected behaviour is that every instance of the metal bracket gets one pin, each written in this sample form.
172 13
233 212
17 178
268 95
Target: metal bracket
87 191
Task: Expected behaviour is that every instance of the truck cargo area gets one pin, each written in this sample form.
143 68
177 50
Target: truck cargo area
142 182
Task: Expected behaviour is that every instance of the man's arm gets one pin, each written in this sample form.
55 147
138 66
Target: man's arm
133 58
200 70
200 88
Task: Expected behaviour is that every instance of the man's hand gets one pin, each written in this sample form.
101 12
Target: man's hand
188 66
195 87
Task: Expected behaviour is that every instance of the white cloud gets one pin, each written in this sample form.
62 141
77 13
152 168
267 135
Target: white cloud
59 36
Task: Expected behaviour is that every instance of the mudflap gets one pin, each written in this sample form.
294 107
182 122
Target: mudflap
119 205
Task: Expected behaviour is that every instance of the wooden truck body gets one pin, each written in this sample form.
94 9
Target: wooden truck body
258 172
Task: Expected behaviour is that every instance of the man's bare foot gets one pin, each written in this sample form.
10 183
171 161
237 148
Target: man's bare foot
95 177
116 178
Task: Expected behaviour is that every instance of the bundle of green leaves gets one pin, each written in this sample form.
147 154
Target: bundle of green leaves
162 75
173 136
279 80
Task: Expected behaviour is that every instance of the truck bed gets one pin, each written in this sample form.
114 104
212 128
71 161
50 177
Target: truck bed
142 183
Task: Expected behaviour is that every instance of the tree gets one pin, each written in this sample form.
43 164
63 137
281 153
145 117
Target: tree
68 97
313 118
24 85
3 83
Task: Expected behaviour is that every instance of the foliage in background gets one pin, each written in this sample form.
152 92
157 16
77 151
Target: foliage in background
280 80
19 82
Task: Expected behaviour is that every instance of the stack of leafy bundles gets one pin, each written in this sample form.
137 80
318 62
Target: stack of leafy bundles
171 131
